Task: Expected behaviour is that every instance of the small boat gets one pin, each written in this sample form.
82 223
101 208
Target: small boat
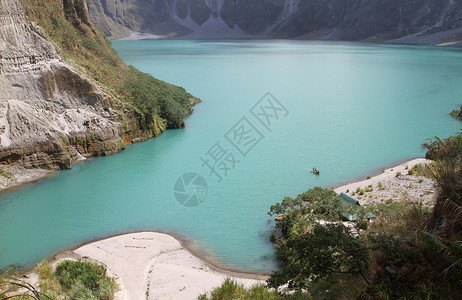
279 217
315 171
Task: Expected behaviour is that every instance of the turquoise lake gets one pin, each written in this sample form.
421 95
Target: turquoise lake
349 109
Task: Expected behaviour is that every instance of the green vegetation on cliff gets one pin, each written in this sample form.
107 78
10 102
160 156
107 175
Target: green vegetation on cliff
158 104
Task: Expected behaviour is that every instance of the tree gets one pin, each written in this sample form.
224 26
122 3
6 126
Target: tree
325 250
315 244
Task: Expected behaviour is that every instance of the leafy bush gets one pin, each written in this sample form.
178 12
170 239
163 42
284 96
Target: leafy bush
74 280
84 280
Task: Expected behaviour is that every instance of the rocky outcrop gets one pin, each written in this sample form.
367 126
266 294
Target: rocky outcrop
51 115
414 21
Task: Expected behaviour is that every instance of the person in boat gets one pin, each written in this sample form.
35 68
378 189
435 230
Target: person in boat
315 170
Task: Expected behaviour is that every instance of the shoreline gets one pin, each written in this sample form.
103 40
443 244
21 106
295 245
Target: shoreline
183 241
377 172
387 185
177 262
187 243
33 176
139 260
402 41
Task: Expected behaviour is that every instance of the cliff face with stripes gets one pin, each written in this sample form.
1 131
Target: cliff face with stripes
51 114
413 21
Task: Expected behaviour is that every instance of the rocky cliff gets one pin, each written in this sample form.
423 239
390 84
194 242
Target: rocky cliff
413 21
53 113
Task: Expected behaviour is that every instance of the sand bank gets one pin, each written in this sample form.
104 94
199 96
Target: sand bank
401 187
151 265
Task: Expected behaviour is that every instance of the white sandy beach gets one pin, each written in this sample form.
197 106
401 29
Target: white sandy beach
394 187
151 265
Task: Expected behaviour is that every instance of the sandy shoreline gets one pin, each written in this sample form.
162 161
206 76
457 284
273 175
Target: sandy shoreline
153 265
393 187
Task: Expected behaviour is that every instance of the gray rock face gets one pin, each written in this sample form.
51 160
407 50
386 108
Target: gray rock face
413 21
50 116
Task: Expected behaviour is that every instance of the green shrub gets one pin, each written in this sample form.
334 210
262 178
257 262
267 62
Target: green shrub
418 170
398 174
272 237
230 290
84 280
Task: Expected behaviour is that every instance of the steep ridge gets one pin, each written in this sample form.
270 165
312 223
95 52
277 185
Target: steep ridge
53 113
414 21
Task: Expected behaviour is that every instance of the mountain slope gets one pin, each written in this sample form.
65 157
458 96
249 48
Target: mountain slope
66 94
418 21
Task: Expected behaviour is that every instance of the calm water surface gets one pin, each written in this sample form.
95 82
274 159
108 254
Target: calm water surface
352 109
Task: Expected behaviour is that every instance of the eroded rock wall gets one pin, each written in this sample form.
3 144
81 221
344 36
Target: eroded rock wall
50 115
